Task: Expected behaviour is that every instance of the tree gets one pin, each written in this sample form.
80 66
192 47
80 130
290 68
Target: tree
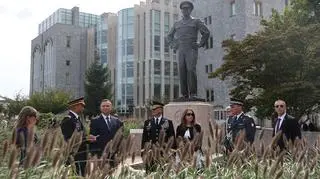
98 86
54 101
281 61
15 105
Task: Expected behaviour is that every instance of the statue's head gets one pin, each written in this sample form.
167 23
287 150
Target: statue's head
186 8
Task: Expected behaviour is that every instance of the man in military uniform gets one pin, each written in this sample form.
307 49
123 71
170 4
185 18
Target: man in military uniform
183 37
239 122
72 123
153 126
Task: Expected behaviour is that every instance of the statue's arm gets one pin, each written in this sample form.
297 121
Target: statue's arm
205 33
170 36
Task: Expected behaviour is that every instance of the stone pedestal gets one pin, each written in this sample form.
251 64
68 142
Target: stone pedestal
203 113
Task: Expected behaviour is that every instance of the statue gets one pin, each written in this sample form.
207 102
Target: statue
183 37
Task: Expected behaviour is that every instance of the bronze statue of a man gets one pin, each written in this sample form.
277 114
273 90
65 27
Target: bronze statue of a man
183 37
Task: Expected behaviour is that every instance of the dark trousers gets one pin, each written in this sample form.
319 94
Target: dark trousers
188 70
80 160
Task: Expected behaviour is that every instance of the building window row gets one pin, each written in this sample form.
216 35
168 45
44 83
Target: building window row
257 8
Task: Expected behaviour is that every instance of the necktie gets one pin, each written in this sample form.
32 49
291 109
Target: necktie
108 122
278 124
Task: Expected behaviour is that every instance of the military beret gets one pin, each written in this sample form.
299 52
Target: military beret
186 2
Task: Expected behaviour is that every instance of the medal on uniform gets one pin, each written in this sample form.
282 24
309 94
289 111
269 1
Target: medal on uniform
165 125
148 126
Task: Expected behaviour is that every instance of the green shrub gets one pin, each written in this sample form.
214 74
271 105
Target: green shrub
131 124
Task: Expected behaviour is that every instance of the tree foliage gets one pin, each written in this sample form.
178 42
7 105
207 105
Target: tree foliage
54 101
281 61
15 105
98 86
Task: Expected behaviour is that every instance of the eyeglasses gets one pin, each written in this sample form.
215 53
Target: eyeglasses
189 114
277 106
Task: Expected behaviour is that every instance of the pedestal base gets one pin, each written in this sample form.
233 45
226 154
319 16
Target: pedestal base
203 113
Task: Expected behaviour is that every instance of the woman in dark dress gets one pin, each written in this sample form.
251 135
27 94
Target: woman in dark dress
188 127
186 131
24 130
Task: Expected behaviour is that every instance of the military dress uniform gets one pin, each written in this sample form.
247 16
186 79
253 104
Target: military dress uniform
151 133
69 124
236 124
183 37
243 122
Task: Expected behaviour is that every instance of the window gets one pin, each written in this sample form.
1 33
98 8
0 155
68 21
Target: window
157 43
209 95
130 47
167 68
68 41
167 90
68 62
157 67
233 8
205 21
129 69
211 42
157 91
176 91
210 68
206 68
287 2
257 8
209 20
175 69
212 95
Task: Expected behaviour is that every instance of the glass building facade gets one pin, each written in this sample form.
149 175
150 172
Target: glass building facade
125 62
69 16
102 39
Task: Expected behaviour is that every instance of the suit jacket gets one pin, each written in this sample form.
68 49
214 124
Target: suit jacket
151 131
290 128
244 122
99 127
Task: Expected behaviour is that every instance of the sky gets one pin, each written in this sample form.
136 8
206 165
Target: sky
19 25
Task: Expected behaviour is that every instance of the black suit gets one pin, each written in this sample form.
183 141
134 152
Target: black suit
68 125
106 132
290 128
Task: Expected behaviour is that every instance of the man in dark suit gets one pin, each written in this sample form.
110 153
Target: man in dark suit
103 128
240 122
72 123
153 126
285 123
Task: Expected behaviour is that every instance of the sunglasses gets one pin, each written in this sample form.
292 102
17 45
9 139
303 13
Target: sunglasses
189 114
277 106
